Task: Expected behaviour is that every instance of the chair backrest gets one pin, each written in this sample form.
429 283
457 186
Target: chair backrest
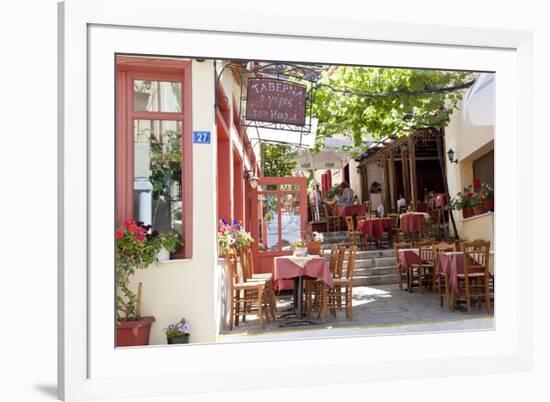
426 253
333 259
340 261
247 262
351 262
476 254
349 224
394 220
367 207
235 269
439 248
398 246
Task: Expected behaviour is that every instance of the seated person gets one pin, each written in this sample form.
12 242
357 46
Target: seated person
380 210
401 204
346 195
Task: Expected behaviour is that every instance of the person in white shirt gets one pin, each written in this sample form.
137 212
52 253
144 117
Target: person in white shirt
401 204
315 198
380 210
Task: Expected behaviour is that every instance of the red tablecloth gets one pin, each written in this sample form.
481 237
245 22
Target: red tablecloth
350 210
374 227
440 200
316 267
452 264
408 257
412 222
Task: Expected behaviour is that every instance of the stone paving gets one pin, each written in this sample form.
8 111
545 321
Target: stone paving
381 309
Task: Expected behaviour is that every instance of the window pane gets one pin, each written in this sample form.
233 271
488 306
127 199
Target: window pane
290 219
157 96
157 174
269 222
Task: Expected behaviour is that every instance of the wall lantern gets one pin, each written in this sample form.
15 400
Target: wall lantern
252 178
379 163
451 155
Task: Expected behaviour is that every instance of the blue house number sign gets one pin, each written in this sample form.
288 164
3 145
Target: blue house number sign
201 137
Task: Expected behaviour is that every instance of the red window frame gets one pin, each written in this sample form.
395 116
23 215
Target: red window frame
129 68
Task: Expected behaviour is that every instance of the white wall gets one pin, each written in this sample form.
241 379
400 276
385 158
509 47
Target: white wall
355 178
188 288
470 134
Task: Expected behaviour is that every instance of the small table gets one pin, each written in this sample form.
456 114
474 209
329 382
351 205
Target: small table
375 227
413 222
290 267
408 257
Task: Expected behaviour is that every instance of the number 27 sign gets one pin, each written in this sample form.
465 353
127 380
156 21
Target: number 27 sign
201 137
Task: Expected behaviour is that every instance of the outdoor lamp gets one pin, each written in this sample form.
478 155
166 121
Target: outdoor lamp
379 163
252 178
451 155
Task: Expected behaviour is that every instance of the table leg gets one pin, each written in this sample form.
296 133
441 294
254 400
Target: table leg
299 296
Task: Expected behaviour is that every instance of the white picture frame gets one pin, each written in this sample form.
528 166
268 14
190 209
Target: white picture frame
84 29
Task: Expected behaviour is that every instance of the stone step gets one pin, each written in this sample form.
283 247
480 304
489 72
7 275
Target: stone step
374 271
367 254
373 280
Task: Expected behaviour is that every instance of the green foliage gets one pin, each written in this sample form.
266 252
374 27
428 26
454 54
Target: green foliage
135 249
350 111
278 160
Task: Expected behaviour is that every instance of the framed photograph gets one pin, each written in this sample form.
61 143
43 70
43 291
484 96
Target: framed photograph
301 202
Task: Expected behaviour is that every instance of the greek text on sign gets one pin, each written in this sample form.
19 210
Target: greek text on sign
276 101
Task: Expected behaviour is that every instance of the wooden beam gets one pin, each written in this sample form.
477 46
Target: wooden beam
393 183
386 199
405 170
412 170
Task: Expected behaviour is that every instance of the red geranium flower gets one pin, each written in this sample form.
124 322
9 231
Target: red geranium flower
132 228
119 233
477 184
469 195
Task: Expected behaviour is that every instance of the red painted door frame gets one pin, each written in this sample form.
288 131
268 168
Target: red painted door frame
238 177
263 260
223 168
129 69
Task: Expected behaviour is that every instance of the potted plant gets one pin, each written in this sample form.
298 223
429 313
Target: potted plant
169 241
314 243
488 197
476 204
136 248
299 248
177 333
232 236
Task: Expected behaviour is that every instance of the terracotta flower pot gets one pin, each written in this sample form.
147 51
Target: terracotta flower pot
134 333
467 212
178 340
478 210
489 204
314 248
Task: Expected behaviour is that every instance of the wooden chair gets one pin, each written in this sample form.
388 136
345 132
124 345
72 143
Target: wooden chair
474 282
353 234
332 218
394 226
314 288
423 274
441 282
245 296
399 272
342 291
247 262
368 208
